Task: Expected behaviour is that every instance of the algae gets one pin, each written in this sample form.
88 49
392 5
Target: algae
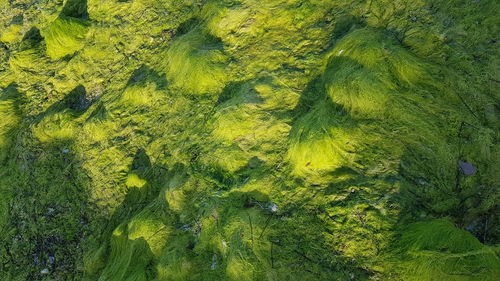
249 140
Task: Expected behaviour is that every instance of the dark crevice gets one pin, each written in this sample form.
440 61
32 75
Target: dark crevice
187 26
76 9
77 99
31 39
18 20
144 73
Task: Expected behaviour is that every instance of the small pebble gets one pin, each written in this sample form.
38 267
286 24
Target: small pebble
214 262
273 207
467 168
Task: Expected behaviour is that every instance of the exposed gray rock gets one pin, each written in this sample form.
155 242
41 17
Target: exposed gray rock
467 168
214 262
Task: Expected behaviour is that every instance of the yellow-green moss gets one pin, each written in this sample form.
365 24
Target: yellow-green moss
64 37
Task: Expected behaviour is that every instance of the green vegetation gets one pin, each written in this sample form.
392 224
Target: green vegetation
64 37
438 250
249 140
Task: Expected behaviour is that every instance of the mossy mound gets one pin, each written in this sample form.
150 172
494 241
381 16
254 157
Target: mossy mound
437 250
196 56
64 37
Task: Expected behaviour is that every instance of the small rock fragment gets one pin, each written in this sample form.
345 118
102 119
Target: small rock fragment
224 246
273 207
185 227
467 168
214 262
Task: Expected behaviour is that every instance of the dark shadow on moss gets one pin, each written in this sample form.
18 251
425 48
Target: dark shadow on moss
75 103
49 215
247 199
187 26
313 93
49 211
229 91
243 92
10 93
99 113
31 39
144 73
134 256
17 19
346 24
75 9
141 161
77 99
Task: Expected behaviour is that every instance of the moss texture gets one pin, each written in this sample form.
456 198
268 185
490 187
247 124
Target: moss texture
249 140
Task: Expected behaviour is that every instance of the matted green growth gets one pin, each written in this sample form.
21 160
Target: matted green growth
140 96
357 88
64 36
196 63
28 60
317 142
269 36
58 127
368 70
249 140
140 240
219 238
11 33
9 123
245 128
130 257
369 77
133 180
244 116
9 103
175 264
437 250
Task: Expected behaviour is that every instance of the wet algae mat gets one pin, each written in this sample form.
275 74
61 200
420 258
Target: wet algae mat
249 140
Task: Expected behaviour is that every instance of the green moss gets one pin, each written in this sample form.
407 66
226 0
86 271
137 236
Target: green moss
11 33
196 56
437 250
9 105
134 180
64 37
253 140
317 145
